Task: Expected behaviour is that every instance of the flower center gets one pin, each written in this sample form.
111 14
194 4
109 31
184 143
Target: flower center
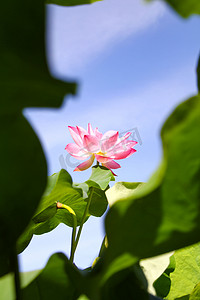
101 153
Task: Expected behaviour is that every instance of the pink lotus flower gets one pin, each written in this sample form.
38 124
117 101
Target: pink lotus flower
105 148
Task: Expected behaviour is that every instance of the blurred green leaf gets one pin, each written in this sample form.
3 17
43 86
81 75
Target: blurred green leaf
24 81
23 178
153 220
184 7
83 297
126 284
7 283
24 77
163 283
71 2
121 190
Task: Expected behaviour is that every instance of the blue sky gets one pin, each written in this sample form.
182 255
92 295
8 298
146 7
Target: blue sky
134 63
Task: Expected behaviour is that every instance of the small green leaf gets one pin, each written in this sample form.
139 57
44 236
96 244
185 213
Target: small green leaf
95 187
184 7
101 176
71 2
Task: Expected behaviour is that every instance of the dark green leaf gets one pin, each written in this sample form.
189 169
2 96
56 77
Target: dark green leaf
126 284
24 81
123 281
98 203
55 281
60 188
25 238
153 220
24 76
71 2
62 192
184 7
23 178
48 217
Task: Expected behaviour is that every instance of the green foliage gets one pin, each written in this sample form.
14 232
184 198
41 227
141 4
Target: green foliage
184 7
71 2
144 220
24 81
101 176
95 187
156 212
125 284
54 282
182 276
24 78
63 192
7 283
60 188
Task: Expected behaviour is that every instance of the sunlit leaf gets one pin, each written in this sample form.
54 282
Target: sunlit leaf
186 273
101 176
120 191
